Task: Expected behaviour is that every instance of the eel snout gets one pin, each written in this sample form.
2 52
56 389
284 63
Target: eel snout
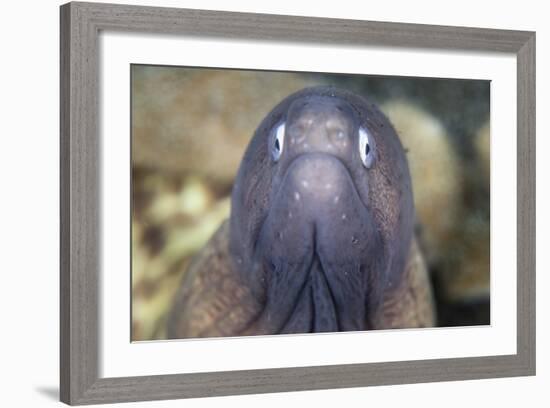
318 182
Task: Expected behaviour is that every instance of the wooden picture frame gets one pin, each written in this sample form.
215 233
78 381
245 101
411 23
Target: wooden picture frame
81 24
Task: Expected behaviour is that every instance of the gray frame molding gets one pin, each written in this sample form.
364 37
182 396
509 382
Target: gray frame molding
80 233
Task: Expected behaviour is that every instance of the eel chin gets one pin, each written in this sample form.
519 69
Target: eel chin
316 247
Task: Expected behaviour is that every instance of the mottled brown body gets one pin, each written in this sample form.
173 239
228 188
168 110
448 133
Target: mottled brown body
213 302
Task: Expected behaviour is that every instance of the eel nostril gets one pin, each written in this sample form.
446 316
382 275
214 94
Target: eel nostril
298 133
337 137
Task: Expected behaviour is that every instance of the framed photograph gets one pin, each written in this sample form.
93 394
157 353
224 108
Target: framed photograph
258 203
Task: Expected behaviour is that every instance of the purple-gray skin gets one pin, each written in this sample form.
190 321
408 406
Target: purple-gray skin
320 231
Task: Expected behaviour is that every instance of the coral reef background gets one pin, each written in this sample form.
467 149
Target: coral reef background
190 127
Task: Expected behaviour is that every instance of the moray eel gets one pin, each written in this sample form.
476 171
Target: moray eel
320 236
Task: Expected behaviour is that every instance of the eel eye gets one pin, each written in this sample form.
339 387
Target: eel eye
366 148
278 142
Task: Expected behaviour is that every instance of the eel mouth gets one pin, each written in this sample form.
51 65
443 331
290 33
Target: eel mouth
315 309
312 244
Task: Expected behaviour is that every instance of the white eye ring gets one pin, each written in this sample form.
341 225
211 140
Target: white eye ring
366 148
278 142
